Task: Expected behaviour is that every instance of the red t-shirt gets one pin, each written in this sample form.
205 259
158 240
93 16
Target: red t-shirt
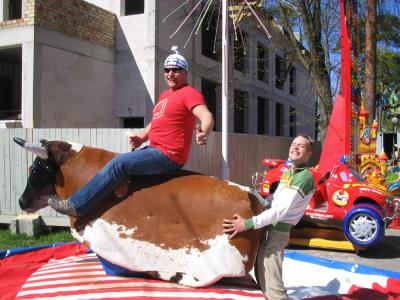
173 122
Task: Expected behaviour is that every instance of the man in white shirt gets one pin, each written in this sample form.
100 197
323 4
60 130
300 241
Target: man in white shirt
288 204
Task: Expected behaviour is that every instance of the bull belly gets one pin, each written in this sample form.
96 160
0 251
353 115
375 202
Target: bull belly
188 266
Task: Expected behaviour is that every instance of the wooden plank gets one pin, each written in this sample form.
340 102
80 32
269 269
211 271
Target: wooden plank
247 149
112 140
84 136
3 175
93 138
8 167
29 156
119 145
210 148
19 180
232 157
218 155
99 136
74 135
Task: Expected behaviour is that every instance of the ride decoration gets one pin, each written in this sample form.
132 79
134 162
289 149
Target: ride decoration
393 180
389 106
357 207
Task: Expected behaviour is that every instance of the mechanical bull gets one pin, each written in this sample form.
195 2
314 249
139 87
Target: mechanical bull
168 226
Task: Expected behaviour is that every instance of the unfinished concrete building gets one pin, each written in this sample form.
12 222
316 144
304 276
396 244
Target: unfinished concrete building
98 63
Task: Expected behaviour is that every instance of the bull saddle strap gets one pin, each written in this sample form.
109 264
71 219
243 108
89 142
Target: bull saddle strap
122 188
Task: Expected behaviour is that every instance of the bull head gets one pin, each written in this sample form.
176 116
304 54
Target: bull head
42 176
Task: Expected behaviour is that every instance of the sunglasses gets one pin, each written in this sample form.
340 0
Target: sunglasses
174 70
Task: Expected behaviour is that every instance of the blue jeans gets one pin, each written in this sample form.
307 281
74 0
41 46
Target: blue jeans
145 161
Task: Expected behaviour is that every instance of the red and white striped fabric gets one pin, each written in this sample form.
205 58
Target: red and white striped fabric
83 277
69 272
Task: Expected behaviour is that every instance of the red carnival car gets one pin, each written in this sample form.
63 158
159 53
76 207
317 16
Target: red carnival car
342 200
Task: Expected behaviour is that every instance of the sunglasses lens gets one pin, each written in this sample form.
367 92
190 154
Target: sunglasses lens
174 70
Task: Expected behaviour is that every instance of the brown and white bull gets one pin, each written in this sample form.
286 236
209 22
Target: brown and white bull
168 226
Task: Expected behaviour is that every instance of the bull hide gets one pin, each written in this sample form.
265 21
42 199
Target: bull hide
169 226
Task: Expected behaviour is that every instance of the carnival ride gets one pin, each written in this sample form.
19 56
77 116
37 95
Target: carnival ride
354 202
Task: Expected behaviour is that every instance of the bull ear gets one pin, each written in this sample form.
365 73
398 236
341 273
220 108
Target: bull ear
43 141
35 149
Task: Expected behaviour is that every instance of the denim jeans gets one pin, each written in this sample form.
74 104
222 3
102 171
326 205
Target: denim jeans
145 161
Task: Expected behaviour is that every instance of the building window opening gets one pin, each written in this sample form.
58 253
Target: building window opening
292 121
279 125
10 84
280 70
134 7
240 118
12 10
137 122
262 115
209 89
210 41
7 108
262 63
240 52
293 81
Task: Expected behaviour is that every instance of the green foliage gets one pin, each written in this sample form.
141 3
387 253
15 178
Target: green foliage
388 69
55 235
387 54
388 30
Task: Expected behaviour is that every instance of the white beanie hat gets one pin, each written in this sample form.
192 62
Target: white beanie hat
176 59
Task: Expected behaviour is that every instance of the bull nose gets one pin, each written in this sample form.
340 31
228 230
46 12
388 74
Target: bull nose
23 203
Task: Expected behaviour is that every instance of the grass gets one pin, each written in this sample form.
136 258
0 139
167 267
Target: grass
53 236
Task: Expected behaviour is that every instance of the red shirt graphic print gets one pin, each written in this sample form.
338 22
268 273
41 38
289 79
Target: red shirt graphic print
173 122
159 109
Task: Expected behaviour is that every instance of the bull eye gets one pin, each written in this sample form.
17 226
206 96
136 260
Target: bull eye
30 170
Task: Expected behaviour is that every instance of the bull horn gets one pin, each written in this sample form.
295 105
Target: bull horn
19 141
35 149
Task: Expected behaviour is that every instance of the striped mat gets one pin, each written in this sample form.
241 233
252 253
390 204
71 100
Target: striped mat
83 277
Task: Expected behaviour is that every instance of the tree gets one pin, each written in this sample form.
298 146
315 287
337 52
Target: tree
387 53
370 58
319 22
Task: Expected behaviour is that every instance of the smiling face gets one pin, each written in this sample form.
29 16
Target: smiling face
300 151
175 77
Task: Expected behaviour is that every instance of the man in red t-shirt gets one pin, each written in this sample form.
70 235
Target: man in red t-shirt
169 135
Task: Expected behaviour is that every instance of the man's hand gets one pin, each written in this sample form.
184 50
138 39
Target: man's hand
135 142
201 137
234 226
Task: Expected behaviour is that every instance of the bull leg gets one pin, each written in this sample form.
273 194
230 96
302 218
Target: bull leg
122 189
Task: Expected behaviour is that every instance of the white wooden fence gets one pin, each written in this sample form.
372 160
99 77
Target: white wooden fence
245 154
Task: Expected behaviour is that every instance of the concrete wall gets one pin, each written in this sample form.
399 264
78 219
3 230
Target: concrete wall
74 90
68 74
136 89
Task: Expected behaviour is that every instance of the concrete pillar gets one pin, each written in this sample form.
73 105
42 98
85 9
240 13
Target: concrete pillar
4 10
31 225
27 85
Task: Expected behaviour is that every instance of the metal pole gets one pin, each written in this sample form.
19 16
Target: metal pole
225 58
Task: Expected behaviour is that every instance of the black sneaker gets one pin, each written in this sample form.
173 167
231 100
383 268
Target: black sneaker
61 206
